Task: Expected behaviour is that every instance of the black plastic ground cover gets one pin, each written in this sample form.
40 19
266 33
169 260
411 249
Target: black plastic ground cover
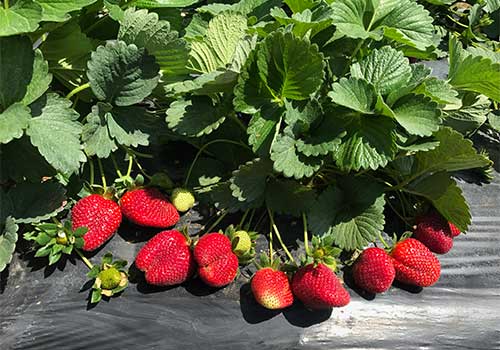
45 309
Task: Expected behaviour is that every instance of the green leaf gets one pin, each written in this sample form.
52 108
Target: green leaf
386 68
31 166
283 67
54 257
446 197
300 116
58 10
13 121
494 120
418 74
248 8
453 153
55 131
205 84
260 134
439 91
108 127
248 182
288 161
96 294
223 199
8 241
34 202
146 31
325 138
216 49
352 212
417 114
22 17
67 61
40 80
122 74
16 68
355 94
309 21
195 117
301 5
370 142
42 239
152 4
471 72
288 197
471 115
43 251
403 21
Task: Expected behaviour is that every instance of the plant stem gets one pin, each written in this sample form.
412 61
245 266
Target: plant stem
243 218
77 90
217 221
202 149
130 163
116 165
278 235
103 177
387 246
141 169
271 252
92 171
249 222
84 259
306 241
6 4
398 214
239 122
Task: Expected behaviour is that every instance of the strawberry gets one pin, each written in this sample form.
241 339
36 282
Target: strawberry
218 265
182 199
100 215
166 259
415 264
148 207
318 287
434 231
455 231
374 271
271 288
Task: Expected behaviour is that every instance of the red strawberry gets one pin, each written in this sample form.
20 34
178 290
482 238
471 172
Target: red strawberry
101 216
166 259
434 231
319 288
455 231
148 207
271 288
415 264
374 270
218 265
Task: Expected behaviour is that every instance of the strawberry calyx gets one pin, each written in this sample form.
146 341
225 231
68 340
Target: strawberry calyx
265 262
110 278
323 251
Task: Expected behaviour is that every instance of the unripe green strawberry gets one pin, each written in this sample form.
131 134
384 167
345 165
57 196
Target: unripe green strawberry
110 278
242 243
182 199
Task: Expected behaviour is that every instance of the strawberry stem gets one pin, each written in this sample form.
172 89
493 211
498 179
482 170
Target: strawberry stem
103 177
217 221
92 171
398 214
306 241
271 252
130 163
141 169
387 246
249 222
84 259
77 90
200 151
243 218
113 159
278 235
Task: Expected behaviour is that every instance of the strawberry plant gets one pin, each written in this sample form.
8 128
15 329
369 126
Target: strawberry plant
321 111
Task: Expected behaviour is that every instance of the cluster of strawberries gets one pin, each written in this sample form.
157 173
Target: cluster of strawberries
170 257
411 260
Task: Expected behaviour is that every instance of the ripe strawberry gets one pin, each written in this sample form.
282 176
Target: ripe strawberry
166 259
374 270
319 288
148 207
101 216
271 288
415 264
218 265
434 231
455 231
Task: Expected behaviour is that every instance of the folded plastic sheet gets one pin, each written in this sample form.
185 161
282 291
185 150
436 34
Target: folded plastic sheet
44 308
